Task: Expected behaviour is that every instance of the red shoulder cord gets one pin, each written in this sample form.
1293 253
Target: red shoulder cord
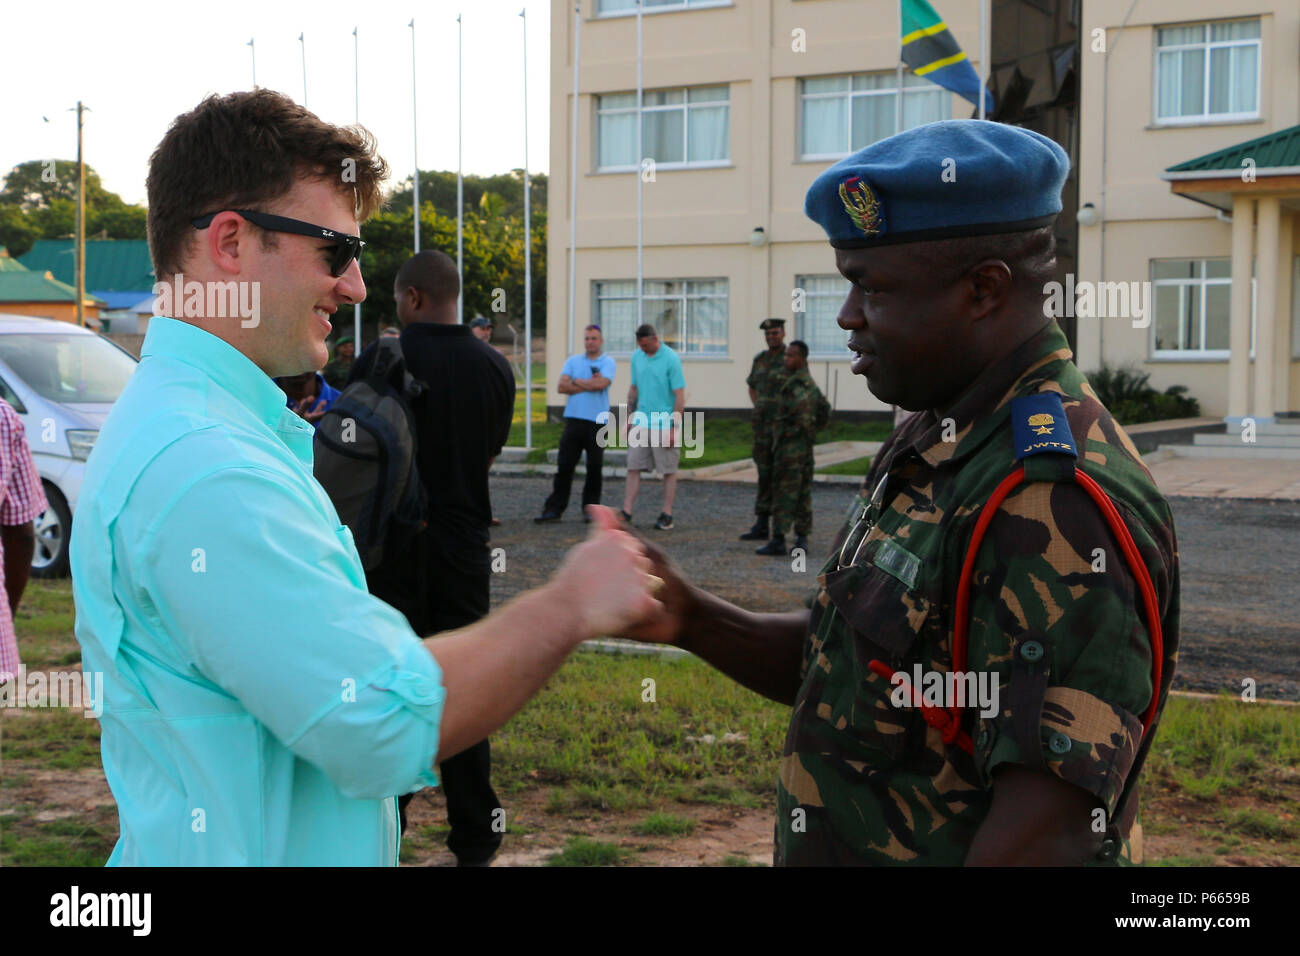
948 720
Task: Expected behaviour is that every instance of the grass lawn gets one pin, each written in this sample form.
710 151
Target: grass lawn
854 466
720 440
1221 785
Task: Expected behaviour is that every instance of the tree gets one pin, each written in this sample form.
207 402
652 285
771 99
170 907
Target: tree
17 232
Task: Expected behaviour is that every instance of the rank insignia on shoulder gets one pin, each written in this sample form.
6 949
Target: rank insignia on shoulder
1039 426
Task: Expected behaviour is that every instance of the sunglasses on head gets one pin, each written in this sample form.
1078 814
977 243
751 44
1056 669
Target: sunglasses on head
346 247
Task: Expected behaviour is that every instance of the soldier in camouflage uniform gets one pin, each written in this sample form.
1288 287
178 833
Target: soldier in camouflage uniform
945 315
802 411
765 378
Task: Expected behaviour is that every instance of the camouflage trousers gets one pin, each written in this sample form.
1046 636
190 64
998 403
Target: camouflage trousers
763 440
792 471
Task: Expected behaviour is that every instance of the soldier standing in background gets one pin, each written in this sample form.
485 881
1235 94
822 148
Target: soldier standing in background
765 378
801 412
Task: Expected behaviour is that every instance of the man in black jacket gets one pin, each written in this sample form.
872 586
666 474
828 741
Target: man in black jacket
462 421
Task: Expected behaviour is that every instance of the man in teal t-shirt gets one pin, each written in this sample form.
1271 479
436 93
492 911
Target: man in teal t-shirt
655 402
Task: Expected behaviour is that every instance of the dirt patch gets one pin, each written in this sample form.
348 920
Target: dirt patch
534 834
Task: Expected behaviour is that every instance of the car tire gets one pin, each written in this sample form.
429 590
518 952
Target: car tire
50 558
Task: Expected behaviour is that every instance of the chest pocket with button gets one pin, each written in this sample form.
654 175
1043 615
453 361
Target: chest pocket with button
868 612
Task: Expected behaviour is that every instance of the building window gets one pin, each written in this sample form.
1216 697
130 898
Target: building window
839 115
1207 70
815 326
679 128
691 315
1192 307
625 7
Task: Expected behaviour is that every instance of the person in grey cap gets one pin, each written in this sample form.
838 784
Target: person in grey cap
766 376
956 704
481 328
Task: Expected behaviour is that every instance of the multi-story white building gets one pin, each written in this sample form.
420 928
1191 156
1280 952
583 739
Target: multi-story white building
746 102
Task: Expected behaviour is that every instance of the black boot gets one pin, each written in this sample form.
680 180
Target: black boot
758 532
776 546
801 541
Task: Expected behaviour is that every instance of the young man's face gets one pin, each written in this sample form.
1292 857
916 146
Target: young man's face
482 332
649 345
794 359
775 338
593 341
347 351
298 294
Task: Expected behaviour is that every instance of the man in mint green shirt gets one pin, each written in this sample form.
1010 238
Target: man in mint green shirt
260 706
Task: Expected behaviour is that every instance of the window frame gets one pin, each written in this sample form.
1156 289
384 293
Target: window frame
1205 117
685 107
679 7
1202 354
925 87
683 351
801 318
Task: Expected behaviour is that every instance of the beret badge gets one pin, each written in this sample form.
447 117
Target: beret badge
862 206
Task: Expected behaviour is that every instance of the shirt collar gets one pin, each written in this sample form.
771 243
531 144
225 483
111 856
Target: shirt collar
986 403
220 361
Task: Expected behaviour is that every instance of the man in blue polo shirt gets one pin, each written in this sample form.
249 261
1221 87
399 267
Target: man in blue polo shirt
655 402
260 706
585 379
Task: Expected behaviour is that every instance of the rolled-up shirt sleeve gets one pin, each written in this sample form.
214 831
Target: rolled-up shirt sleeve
268 602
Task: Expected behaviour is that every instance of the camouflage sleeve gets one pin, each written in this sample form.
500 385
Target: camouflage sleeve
1056 616
752 381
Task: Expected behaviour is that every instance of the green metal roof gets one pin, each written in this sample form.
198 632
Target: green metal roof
11 265
32 286
1275 150
112 265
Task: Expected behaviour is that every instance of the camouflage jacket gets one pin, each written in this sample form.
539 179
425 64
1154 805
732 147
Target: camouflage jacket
802 411
766 377
863 781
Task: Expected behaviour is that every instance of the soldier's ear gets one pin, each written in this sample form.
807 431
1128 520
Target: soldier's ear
988 286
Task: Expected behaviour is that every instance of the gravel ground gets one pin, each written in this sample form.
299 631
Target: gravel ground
1238 612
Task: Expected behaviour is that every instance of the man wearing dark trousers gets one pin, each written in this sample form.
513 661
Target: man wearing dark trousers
585 379
462 421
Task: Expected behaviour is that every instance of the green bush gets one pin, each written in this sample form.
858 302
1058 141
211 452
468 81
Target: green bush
1125 392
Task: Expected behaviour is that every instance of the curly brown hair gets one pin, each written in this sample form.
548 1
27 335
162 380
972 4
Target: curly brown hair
244 150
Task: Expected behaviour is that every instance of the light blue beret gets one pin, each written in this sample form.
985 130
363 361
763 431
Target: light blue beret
940 181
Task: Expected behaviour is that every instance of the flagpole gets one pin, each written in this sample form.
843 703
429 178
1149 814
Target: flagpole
984 53
640 183
303 43
253 52
460 176
898 102
415 143
356 105
528 264
573 176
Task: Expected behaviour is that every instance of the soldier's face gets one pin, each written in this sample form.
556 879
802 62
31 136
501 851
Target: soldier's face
912 340
794 359
775 338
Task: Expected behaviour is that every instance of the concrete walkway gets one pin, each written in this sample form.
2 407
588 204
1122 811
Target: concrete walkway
1225 477
1175 475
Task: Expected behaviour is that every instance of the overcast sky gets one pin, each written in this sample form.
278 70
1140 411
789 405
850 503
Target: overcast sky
139 64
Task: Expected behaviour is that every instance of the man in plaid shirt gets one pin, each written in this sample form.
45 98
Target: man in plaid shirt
21 500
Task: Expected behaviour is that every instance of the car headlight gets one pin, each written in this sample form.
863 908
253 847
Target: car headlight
80 441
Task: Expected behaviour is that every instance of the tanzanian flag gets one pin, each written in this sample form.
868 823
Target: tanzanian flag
930 50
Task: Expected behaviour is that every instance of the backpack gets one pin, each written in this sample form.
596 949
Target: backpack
365 457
